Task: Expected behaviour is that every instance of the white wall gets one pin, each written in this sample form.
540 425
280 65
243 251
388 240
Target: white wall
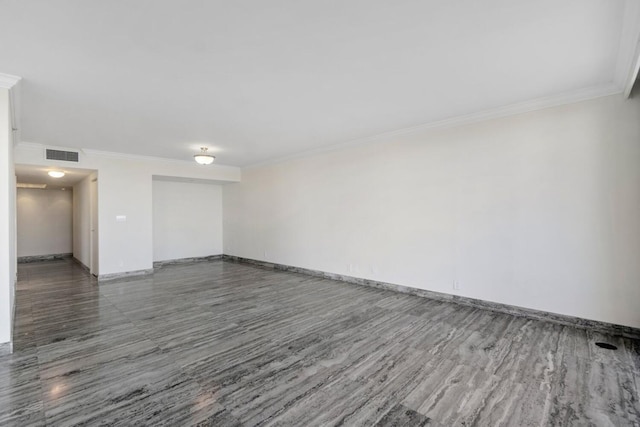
82 221
125 191
187 220
7 219
45 220
125 188
539 210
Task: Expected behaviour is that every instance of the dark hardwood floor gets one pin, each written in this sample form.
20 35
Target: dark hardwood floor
221 343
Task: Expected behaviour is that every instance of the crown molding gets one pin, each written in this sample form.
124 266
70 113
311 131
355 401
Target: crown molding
628 61
116 155
101 153
7 81
25 144
481 116
12 84
38 146
632 74
139 157
126 156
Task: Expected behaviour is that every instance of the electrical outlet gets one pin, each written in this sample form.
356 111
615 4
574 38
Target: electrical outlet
456 285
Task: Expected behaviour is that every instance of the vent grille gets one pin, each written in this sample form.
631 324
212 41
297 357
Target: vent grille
65 156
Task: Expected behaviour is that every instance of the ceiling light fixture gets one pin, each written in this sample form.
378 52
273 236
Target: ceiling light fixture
203 158
56 174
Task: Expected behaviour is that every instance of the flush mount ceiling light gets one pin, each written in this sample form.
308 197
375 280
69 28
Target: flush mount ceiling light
203 158
56 174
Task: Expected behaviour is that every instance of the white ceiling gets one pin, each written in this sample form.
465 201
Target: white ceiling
257 80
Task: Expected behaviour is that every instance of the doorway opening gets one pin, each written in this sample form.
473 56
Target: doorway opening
57 217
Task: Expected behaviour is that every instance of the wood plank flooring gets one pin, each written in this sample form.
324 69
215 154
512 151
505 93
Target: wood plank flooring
227 344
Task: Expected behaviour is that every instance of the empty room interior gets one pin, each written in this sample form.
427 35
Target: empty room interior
380 213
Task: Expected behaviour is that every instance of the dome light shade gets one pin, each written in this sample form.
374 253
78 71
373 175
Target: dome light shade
204 158
55 174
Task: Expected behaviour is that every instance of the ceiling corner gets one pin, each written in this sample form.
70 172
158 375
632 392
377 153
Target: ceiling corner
7 81
12 83
628 62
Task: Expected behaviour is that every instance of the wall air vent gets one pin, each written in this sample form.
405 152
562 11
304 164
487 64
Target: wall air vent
65 156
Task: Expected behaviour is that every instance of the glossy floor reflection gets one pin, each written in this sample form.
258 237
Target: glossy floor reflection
220 343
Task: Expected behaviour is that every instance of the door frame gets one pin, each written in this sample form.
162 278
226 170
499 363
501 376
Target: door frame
93 227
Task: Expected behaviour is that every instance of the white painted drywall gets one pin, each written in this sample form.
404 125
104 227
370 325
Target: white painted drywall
124 246
45 219
82 221
187 220
7 219
125 188
539 210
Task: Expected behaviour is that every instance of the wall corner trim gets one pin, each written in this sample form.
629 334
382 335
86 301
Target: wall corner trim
190 260
7 81
6 348
528 106
124 275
